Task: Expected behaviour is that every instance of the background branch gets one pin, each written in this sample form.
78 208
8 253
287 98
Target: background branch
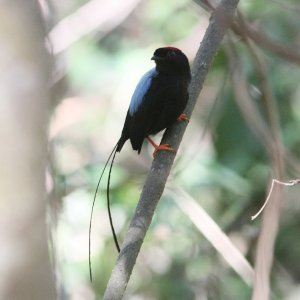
243 28
269 136
96 14
214 234
162 164
271 217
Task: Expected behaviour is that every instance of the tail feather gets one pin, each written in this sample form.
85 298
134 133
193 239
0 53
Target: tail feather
121 143
113 153
108 204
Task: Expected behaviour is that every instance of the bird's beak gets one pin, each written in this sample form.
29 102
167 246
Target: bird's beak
156 58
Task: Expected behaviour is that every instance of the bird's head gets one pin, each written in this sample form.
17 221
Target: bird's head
171 60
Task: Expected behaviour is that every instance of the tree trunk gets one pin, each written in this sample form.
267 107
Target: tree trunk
24 105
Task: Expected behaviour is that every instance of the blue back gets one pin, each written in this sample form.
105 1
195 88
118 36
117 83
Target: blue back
141 90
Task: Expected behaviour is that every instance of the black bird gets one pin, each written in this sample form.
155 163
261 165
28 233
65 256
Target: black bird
159 98
158 101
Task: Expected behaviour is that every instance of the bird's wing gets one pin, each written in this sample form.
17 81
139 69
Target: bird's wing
140 91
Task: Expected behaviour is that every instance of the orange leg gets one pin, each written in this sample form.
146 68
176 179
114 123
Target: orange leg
165 147
183 117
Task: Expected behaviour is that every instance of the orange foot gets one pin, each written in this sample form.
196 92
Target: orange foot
183 117
164 147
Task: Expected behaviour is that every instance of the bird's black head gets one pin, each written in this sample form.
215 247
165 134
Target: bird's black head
171 60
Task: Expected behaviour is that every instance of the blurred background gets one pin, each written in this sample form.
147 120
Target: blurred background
226 161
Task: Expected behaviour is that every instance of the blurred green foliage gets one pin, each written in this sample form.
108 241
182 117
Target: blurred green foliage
227 170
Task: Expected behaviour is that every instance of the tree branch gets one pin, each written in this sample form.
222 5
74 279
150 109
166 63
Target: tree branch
214 234
243 28
271 217
287 52
270 138
161 166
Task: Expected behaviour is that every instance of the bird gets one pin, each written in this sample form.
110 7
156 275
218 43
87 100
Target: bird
158 101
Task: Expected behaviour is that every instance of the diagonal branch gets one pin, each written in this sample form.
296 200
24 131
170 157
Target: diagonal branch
161 166
214 234
287 52
95 14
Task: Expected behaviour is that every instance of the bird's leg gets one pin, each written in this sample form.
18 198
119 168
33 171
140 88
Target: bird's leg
165 147
183 117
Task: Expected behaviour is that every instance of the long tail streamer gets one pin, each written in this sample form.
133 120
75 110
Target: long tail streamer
108 204
113 153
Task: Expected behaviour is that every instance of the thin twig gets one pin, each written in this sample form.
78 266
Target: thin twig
161 166
289 183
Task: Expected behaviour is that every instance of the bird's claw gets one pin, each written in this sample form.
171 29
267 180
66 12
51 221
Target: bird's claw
163 147
183 117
